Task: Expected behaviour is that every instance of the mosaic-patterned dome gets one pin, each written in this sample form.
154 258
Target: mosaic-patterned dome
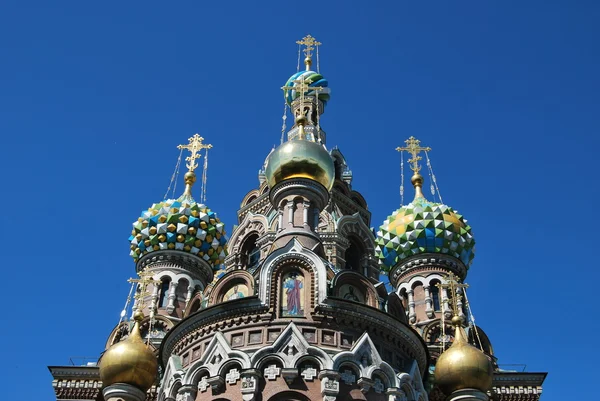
183 225
420 227
312 79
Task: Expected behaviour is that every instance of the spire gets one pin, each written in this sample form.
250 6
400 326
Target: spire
306 93
309 44
413 147
194 146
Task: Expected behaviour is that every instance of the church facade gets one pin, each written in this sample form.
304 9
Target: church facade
291 305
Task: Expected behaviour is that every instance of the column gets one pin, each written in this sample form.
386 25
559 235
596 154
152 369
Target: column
412 315
172 296
445 304
290 206
428 302
280 220
306 208
330 384
123 392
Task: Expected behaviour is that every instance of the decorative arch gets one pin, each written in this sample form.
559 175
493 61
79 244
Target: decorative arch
365 357
354 227
291 349
396 307
289 396
228 282
352 286
217 353
280 261
358 199
250 197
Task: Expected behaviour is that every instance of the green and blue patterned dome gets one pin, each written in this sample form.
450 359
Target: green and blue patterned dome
180 224
311 78
424 227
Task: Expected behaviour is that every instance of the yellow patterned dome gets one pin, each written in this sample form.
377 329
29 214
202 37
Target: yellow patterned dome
130 361
462 365
300 159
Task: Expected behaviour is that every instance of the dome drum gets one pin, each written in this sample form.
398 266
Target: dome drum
303 187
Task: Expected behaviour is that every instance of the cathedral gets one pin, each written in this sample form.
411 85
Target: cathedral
303 300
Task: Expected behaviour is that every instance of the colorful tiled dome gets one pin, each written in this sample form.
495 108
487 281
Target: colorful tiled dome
421 227
183 225
312 79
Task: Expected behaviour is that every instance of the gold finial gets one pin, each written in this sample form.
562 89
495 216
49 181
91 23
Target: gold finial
143 282
413 146
310 43
452 284
195 146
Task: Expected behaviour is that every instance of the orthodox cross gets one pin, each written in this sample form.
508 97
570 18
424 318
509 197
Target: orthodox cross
413 146
143 282
302 86
453 285
194 146
309 42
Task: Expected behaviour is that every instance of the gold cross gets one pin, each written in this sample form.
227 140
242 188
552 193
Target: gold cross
309 42
413 146
302 85
452 284
194 147
143 282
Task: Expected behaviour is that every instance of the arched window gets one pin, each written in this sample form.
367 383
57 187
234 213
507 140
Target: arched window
251 252
354 254
435 296
164 293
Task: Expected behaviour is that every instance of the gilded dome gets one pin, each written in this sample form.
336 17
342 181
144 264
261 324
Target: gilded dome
463 366
300 159
423 227
180 224
130 361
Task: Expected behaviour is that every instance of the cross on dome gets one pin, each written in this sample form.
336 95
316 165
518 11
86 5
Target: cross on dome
194 146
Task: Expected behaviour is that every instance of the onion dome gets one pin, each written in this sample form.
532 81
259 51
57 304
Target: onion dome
312 79
462 366
130 361
423 226
300 159
180 224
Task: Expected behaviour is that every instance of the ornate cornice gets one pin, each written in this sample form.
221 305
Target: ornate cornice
426 261
371 319
177 259
177 337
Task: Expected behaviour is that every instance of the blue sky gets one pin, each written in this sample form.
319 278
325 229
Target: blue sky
95 97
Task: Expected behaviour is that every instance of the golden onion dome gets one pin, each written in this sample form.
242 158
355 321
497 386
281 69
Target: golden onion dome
300 158
130 361
462 366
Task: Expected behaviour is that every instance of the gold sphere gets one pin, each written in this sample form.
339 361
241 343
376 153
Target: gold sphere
300 159
416 179
462 366
129 361
189 177
457 320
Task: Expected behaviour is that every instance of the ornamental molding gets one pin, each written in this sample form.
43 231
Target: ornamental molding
225 314
177 259
290 347
431 261
300 187
374 320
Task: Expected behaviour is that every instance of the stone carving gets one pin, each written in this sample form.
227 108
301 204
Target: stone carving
309 373
348 377
272 372
203 384
233 376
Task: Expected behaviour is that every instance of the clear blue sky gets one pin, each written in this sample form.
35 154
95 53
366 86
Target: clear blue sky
95 96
